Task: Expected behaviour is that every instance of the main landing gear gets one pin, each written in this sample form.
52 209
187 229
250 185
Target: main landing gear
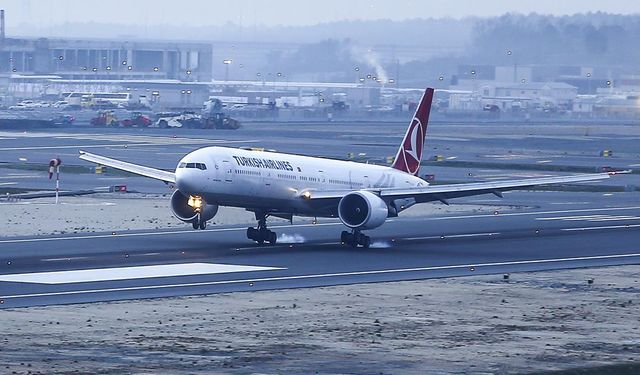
262 234
355 238
199 224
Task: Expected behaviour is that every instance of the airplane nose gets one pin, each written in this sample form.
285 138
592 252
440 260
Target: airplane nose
186 181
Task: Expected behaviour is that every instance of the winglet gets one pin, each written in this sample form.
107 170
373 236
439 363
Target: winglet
410 152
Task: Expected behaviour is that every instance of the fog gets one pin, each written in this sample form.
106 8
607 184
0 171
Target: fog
57 17
412 42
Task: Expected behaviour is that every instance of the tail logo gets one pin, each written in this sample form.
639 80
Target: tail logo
412 147
410 151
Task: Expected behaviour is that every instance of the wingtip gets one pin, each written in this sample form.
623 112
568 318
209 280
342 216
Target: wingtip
624 171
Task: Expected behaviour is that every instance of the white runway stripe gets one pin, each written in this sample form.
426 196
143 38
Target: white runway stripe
602 228
129 273
326 275
591 218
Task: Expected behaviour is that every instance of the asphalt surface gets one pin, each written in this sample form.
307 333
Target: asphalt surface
563 230
498 145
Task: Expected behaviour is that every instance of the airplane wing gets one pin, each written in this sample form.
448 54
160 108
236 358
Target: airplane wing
444 192
141 170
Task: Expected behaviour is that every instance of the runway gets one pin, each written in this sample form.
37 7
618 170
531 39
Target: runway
130 265
494 147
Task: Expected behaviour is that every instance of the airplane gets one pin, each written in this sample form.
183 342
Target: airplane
362 196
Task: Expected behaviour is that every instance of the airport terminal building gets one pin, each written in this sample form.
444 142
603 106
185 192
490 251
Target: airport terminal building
83 59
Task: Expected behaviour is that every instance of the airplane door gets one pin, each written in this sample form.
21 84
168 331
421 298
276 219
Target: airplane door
226 167
366 181
266 178
321 177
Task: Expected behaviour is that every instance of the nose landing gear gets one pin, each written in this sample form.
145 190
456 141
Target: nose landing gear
355 238
199 223
261 234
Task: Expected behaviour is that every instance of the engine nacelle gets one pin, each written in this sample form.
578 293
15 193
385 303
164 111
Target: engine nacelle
362 210
183 211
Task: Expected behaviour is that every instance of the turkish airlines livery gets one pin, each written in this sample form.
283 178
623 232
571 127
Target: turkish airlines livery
363 196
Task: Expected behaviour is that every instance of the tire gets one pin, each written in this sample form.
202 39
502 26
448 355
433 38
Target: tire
344 236
195 225
251 234
163 124
273 238
203 225
366 242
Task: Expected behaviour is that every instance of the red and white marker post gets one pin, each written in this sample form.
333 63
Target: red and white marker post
54 164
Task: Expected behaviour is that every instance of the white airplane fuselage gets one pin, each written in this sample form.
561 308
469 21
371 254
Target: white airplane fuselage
274 182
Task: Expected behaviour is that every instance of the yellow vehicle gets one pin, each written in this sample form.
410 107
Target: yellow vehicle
105 118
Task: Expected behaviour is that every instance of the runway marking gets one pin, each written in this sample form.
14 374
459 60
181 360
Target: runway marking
15 175
326 275
602 227
536 213
593 218
170 141
144 234
488 234
129 273
471 235
63 259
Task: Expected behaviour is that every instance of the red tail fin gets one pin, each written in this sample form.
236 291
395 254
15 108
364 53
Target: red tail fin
410 152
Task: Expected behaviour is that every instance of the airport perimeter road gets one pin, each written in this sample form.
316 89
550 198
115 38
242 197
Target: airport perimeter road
131 265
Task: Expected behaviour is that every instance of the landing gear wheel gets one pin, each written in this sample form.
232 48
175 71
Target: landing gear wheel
203 225
355 239
195 225
344 237
272 237
366 242
261 234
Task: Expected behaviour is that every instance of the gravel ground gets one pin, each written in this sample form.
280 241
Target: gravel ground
117 212
533 323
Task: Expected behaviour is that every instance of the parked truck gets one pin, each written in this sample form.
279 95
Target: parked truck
214 118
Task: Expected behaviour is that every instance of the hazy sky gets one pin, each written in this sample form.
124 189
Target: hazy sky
46 13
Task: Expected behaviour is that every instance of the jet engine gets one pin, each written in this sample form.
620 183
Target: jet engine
362 210
186 208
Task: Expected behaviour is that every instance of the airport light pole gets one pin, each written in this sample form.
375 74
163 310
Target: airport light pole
54 166
589 83
515 67
226 63
473 78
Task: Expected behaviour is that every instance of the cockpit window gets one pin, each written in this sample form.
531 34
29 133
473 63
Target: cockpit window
182 165
200 166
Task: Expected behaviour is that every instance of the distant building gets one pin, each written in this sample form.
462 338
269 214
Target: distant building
103 59
557 92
